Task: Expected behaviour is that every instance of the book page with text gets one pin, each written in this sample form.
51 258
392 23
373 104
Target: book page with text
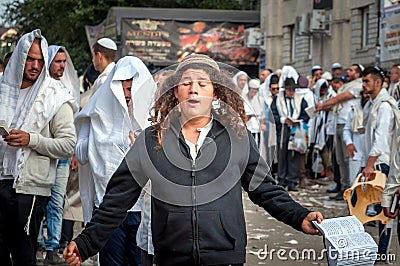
340 226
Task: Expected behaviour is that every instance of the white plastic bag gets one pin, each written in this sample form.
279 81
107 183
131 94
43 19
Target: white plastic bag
299 140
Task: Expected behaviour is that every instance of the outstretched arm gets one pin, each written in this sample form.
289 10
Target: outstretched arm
307 224
121 194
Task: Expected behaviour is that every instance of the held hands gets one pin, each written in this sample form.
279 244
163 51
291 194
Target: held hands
307 224
133 136
17 138
71 255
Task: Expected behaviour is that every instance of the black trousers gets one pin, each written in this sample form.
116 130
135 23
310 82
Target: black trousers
67 233
14 212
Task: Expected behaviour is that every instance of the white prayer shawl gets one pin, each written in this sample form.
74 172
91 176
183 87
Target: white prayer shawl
42 102
264 91
317 124
283 109
370 122
70 77
354 87
245 90
109 121
287 72
97 84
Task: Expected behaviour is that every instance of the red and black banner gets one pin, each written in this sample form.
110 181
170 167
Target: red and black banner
166 42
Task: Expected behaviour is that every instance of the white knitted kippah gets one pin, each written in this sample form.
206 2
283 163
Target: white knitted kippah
198 59
107 43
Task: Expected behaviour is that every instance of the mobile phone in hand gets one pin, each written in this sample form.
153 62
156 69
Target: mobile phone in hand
4 131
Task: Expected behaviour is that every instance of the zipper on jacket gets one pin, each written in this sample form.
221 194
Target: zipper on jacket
195 222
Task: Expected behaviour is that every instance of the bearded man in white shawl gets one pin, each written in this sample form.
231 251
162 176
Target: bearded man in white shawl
241 80
62 69
106 126
38 112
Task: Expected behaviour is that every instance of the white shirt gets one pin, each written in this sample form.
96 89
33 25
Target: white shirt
330 120
344 112
256 113
383 134
357 139
195 147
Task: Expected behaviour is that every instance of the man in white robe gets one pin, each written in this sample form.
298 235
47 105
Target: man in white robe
106 125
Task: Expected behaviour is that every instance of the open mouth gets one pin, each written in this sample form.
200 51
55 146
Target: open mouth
193 101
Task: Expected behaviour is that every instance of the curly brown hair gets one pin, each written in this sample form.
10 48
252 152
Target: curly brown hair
231 112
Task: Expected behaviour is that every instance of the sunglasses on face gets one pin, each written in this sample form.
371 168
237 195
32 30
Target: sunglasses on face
274 89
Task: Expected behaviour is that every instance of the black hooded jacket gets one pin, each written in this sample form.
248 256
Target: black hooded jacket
197 210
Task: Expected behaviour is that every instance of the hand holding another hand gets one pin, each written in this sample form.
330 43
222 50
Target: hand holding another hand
71 255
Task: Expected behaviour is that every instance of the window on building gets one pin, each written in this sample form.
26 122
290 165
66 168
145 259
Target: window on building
364 27
292 43
310 47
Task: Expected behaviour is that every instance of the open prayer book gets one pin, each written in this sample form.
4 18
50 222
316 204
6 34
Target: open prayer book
295 120
311 112
346 242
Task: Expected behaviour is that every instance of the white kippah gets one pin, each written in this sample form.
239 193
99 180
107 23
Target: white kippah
254 84
108 43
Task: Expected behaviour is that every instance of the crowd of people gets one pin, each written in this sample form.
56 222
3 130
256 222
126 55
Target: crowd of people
154 165
336 125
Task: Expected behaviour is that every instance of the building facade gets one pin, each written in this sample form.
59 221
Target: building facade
298 34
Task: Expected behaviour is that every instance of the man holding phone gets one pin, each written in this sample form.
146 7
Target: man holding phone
39 112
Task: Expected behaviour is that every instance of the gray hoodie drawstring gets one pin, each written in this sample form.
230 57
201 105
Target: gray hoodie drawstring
26 227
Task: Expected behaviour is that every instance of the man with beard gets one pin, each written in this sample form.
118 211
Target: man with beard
61 69
347 96
38 110
380 137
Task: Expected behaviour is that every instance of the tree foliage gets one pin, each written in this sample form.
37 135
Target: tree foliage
63 22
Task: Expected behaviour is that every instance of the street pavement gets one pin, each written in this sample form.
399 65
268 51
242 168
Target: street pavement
271 242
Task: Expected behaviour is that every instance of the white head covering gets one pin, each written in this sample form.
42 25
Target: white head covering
107 43
327 75
107 116
41 103
246 87
70 78
254 84
287 72
317 87
336 66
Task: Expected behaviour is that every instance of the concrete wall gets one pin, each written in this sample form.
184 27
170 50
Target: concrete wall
343 44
